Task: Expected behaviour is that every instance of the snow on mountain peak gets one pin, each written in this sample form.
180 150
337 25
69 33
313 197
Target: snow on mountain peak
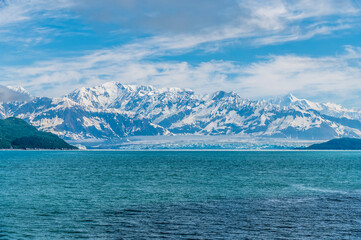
9 94
285 100
291 97
113 93
19 89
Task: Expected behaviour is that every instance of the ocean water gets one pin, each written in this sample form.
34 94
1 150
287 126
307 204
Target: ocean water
180 195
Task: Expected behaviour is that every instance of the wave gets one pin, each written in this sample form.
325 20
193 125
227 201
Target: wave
316 189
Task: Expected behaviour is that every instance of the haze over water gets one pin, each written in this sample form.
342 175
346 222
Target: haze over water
180 195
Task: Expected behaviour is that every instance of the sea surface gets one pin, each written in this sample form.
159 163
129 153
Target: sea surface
180 195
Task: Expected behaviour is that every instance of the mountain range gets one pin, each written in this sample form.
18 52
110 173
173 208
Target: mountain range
113 111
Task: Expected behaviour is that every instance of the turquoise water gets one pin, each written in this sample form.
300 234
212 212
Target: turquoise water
180 195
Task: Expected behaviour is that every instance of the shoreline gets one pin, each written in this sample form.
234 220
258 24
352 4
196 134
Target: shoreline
180 150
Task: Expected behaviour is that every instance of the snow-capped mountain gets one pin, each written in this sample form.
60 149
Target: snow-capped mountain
12 94
113 110
330 109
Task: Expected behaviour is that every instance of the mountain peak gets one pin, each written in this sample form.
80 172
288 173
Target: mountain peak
19 89
129 87
11 94
285 100
223 94
290 97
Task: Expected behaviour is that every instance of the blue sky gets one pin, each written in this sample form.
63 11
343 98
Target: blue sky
259 49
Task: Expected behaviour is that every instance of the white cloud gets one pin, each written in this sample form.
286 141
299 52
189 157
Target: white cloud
20 20
267 22
255 22
187 23
14 11
274 75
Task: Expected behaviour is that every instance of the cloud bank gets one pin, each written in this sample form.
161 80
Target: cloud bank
270 76
202 21
161 28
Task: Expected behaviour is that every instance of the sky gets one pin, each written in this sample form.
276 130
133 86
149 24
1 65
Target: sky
258 49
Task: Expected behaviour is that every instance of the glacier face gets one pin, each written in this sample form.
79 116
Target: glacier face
113 111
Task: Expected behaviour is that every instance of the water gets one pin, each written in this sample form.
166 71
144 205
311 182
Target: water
180 195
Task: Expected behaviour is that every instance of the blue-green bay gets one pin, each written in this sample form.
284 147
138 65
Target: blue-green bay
180 195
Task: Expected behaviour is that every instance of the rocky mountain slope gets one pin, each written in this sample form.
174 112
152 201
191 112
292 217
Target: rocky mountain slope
113 110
